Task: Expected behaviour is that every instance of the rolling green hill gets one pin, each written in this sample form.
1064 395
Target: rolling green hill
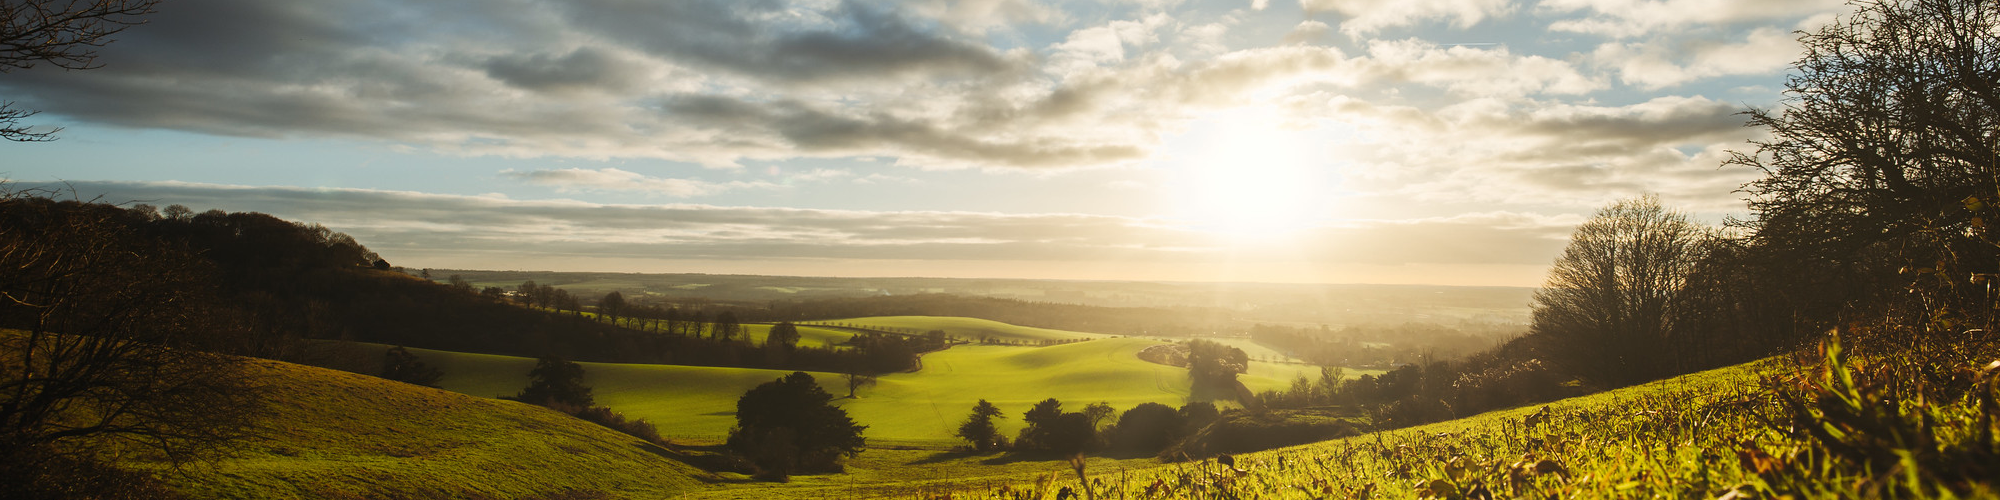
1678 437
332 434
698 403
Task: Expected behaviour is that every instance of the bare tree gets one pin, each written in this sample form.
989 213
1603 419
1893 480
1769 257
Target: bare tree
116 341
1610 306
1883 156
60 33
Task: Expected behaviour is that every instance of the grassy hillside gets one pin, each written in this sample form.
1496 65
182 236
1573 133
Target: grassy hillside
332 434
698 403
964 328
1681 437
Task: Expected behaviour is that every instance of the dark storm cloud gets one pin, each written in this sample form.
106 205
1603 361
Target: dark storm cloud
816 130
857 42
583 68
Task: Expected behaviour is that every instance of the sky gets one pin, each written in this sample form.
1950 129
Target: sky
1453 142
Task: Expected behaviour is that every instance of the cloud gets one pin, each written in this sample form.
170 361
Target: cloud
1476 71
582 69
1665 63
1634 18
1528 152
980 16
612 179
921 84
766 39
1364 17
1307 31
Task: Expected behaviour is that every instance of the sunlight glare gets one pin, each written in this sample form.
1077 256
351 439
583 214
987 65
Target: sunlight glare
1249 178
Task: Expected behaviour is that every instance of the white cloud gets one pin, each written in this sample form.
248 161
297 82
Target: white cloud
612 179
1364 17
1307 31
1634 18
1664 62
981 16
1477 71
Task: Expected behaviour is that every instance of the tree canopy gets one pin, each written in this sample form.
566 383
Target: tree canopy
1613 298
556 381
790 425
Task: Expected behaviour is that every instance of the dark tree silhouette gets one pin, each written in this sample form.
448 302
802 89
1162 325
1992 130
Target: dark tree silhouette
789 425
783 334
556 381
612 306
1612 300
401 366
1880 162
978 429
1215 366
1147 428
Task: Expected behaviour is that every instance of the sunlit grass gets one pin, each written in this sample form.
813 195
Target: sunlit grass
331 434
691 403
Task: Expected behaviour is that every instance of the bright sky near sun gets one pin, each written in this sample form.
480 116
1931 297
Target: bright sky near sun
1376 141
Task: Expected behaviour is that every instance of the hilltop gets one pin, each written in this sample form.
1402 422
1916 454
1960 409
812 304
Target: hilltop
333 434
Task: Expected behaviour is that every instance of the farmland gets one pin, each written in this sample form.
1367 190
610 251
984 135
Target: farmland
921 407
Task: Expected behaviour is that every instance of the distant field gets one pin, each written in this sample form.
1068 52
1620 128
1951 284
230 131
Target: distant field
809 336
925 406
964 328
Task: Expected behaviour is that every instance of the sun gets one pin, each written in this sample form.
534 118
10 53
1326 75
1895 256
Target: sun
1247 177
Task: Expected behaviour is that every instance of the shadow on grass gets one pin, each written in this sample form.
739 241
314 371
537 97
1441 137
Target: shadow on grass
947 456
714 459
1004 458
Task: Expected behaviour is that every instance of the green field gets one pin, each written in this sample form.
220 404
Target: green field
698 403
1667 438
963 328
331 434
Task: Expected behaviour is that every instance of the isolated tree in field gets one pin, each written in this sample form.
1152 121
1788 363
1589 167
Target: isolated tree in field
61 33
556 381
1884 149
978 429
1610 308
789 425
401 366
784 335
858 375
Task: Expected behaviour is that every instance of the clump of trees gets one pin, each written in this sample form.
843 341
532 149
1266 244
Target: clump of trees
790 425
555 381
557 384
1613 306
400 365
